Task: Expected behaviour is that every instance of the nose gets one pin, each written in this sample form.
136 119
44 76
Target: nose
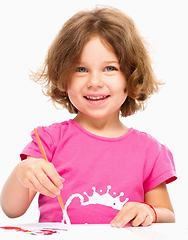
95 81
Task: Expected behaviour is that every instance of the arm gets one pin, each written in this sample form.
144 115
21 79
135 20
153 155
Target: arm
15 198
160 200
142 214
28 178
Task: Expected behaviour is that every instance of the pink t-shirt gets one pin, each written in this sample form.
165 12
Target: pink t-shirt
101 174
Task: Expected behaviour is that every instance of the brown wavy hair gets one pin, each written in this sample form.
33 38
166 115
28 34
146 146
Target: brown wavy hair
118 31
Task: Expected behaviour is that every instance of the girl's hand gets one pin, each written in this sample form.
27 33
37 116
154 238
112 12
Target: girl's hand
35 173
137 213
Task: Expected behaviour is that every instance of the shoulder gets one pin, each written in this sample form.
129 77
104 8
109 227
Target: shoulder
146 140
152 148
54 132
158 161
55 128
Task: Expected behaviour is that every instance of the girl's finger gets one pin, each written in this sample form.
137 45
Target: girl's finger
139 219
148 221
45 186
125 215
52 173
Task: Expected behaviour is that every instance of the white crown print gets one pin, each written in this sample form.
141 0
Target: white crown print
105 199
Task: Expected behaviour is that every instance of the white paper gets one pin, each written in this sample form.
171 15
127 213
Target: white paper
81 231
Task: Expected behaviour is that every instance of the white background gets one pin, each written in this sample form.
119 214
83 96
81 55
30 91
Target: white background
27 28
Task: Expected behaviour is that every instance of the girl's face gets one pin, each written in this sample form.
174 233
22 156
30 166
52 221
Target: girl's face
97 87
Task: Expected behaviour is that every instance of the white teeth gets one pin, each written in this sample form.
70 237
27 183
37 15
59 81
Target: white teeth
95 98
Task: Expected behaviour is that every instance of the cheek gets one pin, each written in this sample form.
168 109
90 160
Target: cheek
72 88
122 90
75 96
122 81
72 95
123 85
124 97
73 100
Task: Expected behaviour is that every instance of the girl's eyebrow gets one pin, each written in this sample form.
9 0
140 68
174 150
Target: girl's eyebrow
108 62
105 62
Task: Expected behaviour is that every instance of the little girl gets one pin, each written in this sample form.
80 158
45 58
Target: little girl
97 67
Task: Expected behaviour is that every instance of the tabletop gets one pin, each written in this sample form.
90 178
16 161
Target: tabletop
59 231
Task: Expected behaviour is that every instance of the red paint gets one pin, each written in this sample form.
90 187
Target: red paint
40 232
17 229
46 232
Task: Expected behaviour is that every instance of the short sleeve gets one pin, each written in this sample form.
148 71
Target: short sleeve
46 136
159 168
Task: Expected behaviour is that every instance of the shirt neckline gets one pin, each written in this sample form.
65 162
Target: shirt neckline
107 139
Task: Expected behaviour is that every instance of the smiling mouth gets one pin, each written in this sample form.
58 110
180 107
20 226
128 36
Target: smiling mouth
92 98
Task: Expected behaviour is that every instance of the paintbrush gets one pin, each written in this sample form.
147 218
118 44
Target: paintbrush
59 196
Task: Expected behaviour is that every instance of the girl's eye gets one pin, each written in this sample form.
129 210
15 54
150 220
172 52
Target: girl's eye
81 69
110 69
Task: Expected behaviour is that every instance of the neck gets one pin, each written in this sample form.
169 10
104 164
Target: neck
110 126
